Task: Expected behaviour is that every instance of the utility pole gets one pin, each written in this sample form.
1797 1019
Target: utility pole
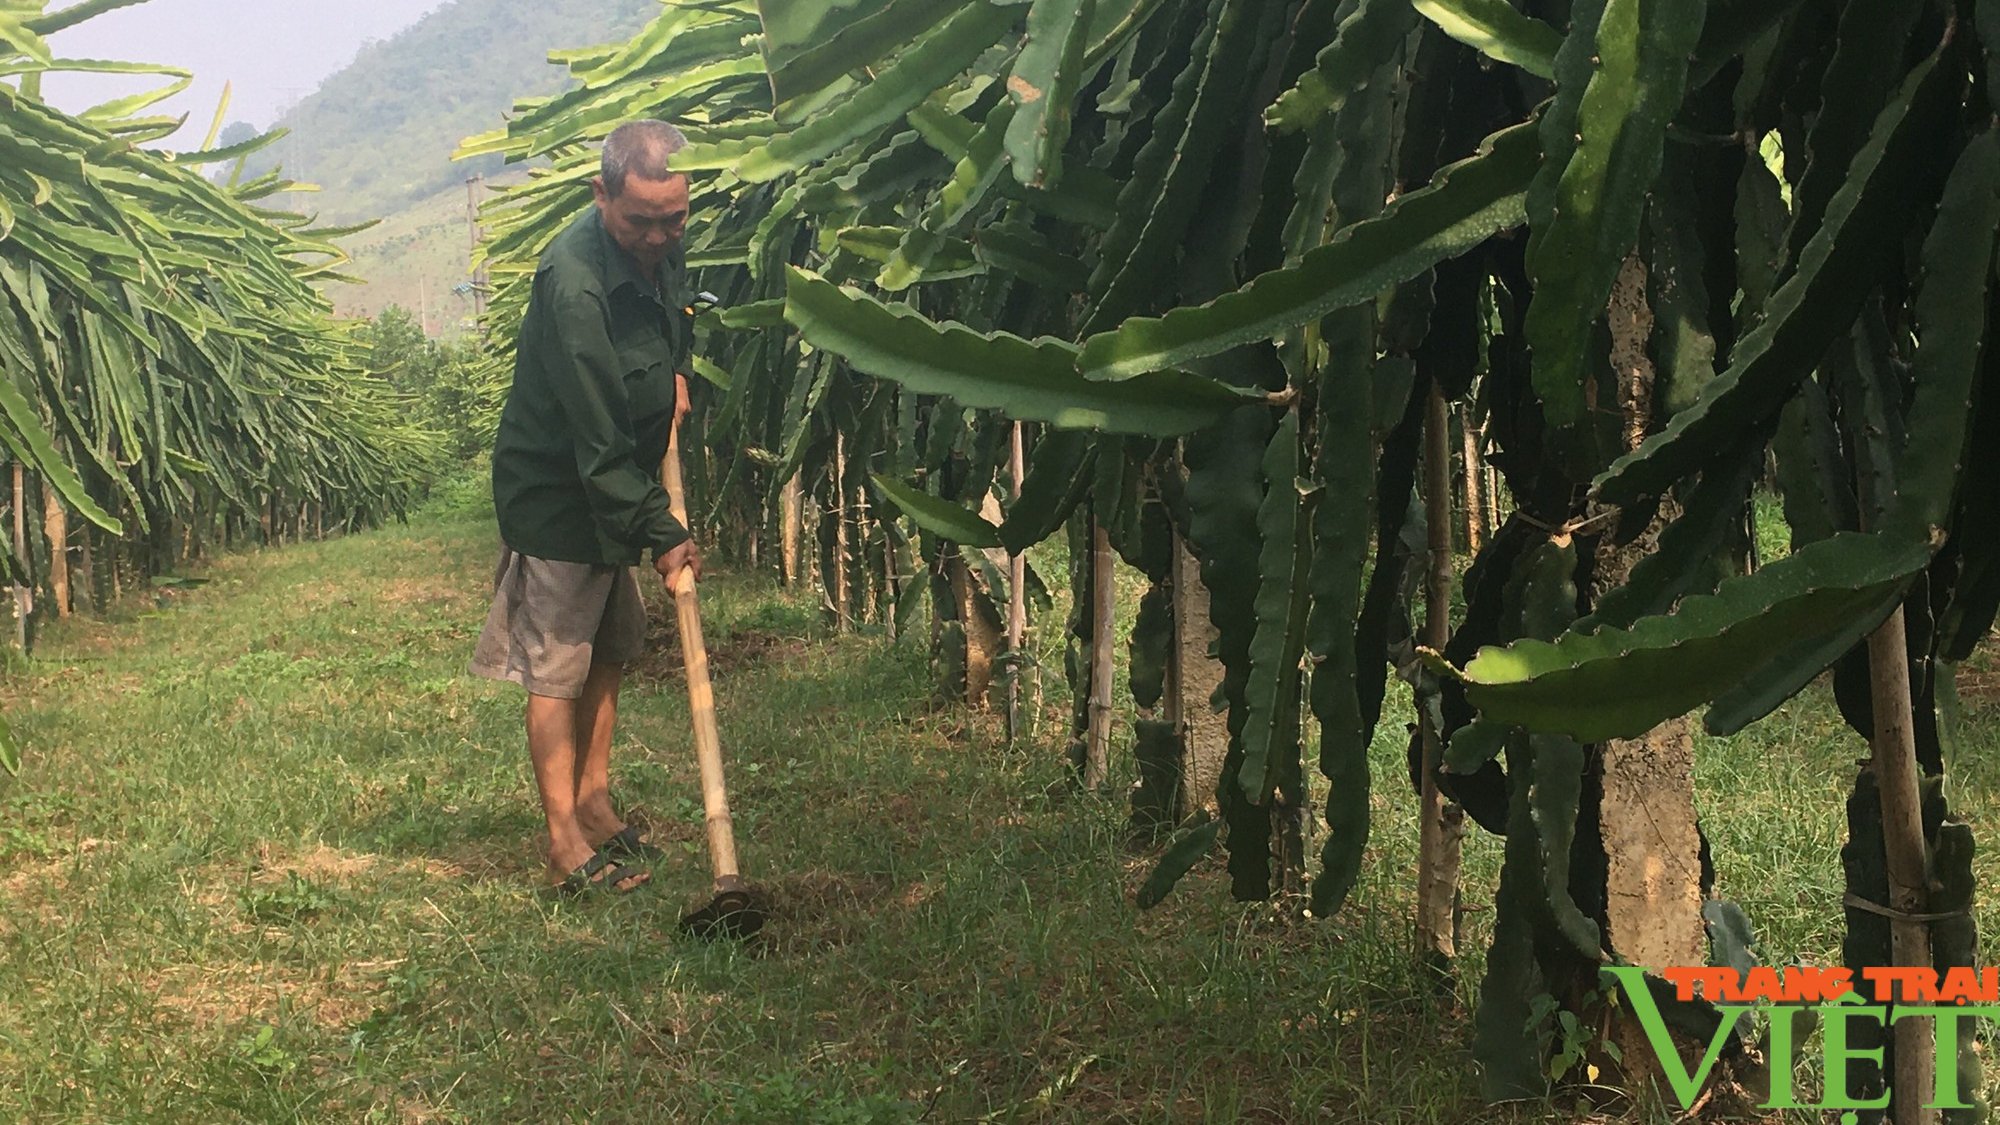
473 190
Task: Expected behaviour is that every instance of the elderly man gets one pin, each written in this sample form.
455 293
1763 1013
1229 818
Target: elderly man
577 490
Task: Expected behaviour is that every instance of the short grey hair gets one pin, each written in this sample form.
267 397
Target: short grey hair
640 147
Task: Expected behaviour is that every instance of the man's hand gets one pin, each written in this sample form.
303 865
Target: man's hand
680 398
670 564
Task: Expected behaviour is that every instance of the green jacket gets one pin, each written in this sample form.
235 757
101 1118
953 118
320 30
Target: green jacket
576 465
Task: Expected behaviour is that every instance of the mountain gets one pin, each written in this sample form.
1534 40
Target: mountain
377 137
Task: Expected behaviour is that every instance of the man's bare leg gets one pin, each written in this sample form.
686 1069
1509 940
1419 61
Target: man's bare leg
596 716
552 746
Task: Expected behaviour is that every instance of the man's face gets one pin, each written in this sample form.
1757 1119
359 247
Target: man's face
647 219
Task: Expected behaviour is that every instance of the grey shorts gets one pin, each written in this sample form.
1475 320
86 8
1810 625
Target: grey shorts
552 620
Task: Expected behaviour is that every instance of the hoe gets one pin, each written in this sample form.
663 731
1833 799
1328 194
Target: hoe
733 910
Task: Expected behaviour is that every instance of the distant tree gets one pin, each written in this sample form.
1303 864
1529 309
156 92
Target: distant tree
399 352
454 386
236 132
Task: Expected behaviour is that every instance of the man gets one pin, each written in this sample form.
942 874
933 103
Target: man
577 489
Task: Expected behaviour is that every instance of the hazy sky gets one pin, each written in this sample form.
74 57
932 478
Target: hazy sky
274 51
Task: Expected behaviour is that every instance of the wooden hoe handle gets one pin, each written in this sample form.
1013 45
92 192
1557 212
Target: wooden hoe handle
701 693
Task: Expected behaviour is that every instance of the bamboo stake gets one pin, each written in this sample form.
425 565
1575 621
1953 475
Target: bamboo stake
807 558
865 568
23 600
841 594
1104 603
1017 598
1171 706
892 583
112 562
1441 824
1894 761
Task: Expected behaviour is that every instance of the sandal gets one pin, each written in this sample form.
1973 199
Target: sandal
628 845
585 878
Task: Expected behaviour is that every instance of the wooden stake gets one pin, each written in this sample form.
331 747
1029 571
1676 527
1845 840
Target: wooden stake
1194 677
982 637
1475 479
1651 843
1894 761
1104 605
55 524
86 570
1442 824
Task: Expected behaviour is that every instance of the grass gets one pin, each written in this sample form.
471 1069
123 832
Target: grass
272 858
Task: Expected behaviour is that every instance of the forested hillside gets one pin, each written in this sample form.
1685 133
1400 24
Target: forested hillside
417 258
377 137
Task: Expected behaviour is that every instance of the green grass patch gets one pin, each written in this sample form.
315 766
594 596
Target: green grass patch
273 857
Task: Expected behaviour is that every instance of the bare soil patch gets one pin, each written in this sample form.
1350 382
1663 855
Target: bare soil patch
436 591
736 652
818 910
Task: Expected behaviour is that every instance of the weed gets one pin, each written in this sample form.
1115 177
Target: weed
285 904
269 666
408 995
23 843
261 1050
1567 1042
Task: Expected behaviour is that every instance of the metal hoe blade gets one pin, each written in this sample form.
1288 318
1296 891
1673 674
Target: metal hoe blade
734 914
